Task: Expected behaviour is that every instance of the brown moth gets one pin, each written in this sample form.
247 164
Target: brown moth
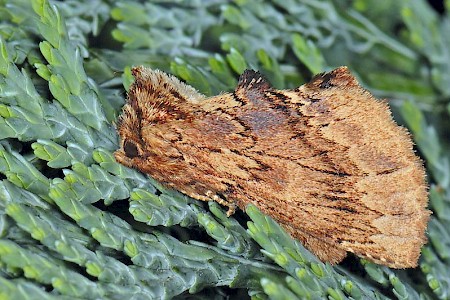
325 160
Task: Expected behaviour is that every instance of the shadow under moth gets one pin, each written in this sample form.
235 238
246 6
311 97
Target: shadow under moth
325 160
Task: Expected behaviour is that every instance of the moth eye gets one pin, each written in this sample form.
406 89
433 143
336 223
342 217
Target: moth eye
130 149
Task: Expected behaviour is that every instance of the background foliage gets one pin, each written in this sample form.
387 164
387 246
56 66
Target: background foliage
74 224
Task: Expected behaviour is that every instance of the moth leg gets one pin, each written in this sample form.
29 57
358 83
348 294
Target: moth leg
231 209
223 201
326 252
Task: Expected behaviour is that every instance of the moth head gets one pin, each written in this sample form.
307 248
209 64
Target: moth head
155 99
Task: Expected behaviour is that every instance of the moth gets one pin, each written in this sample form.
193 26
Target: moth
325 160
